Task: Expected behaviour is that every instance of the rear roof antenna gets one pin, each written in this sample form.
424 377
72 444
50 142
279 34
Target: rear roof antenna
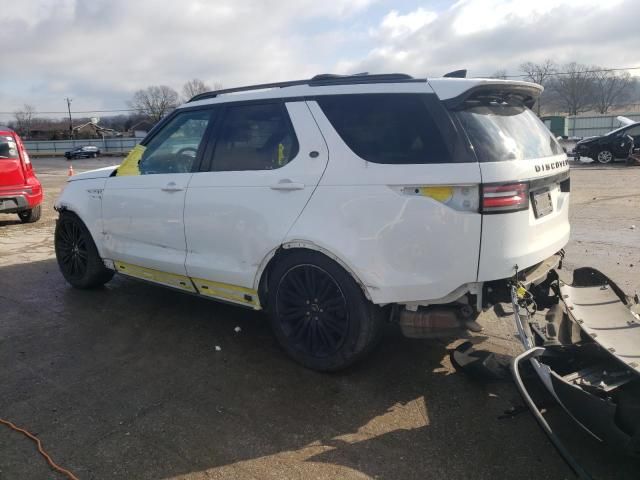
457 74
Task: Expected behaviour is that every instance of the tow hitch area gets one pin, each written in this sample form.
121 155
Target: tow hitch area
584 345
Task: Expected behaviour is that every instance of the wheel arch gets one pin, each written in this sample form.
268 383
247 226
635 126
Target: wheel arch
275 255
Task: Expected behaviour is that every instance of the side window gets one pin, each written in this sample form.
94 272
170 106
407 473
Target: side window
387 128
174 148
254 137
8 147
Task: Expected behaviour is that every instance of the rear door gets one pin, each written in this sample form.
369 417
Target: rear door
263 165
625 140
11 169
525 192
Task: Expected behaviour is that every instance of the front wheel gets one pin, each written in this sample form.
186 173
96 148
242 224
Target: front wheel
604 156
77 255
32 215
319 314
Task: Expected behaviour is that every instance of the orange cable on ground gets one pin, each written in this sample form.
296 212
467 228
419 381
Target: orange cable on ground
51 463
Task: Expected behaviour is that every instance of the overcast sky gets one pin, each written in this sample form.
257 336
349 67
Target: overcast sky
100 51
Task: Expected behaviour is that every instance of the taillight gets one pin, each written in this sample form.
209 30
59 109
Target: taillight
504 198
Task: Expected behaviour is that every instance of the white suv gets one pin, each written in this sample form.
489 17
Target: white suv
335 204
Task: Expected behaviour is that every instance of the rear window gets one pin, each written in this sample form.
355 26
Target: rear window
501 131
387 128
8 147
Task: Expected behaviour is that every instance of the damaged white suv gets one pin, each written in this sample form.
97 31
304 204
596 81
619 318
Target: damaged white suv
335 204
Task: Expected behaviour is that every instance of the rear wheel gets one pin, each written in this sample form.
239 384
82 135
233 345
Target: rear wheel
319 314
30 216
77 254
604 156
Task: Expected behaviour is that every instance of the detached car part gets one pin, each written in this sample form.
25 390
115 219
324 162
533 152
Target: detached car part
586 352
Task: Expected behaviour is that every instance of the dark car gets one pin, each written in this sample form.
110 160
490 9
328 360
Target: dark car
615 144
88 151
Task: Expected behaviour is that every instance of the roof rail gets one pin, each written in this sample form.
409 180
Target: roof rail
317 81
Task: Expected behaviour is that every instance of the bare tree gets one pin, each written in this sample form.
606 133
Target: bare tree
539 73
499 74
194 87
155 101
574 87
609 88
24 120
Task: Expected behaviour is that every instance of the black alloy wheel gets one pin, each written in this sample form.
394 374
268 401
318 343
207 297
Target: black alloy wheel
77 255
71 248
312 310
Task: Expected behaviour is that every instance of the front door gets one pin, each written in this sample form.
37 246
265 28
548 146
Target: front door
143 204
263 167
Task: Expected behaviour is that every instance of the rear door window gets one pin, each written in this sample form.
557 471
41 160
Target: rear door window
8 147
387 128
502 130
254 137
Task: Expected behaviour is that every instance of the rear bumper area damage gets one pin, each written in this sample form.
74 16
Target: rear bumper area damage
585 349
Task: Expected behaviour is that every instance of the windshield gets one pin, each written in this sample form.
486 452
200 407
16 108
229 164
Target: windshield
501 131
8 147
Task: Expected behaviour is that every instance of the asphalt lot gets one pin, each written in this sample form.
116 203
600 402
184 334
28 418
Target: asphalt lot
125 382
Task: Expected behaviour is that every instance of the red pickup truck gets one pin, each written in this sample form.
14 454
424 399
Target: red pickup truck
20 189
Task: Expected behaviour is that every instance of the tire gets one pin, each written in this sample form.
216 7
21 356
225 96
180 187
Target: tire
318 312
604 156
32 215
77 255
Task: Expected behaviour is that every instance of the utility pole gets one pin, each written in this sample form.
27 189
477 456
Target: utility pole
70 123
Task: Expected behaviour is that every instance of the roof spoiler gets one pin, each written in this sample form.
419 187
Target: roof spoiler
526 93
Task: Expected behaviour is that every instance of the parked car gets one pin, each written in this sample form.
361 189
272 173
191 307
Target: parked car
335 204
88 151
606 148
20 189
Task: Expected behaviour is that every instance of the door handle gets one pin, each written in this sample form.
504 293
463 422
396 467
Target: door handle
286 184
171 187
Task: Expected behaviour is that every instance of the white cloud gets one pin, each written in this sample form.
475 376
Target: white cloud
486 35
100 51
479 15
394 25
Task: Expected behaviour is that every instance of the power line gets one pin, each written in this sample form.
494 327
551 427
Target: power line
79 111
479 76
551 74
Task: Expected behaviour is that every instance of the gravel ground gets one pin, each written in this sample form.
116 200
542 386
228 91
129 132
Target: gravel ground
125 382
